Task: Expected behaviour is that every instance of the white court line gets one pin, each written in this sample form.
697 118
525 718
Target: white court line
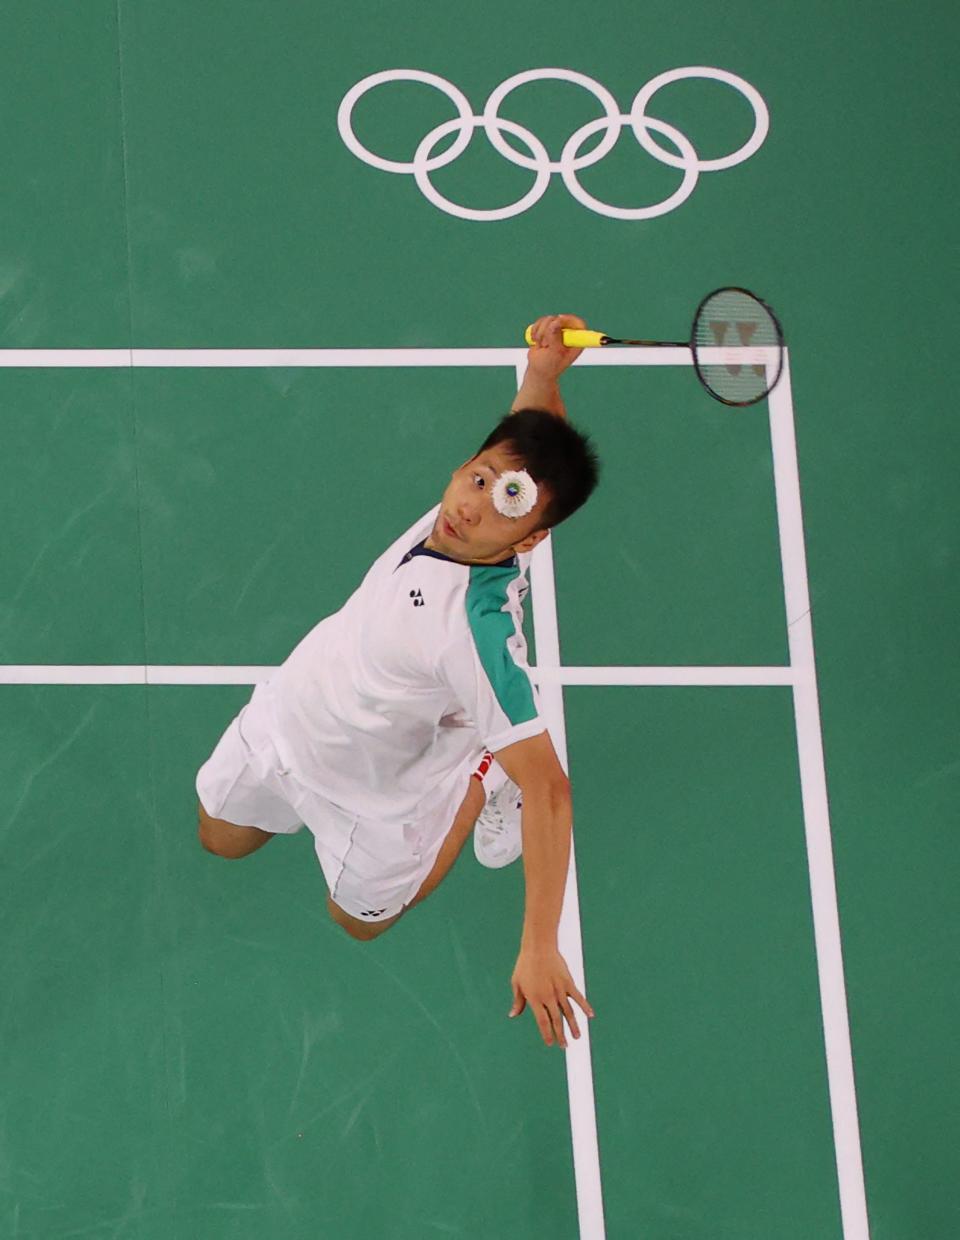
206 358
583 1114
816 816
367 358
254 674
670 675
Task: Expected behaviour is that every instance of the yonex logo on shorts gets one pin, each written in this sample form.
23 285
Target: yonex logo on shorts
538 161
417 598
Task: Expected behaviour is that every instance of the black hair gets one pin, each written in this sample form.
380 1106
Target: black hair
553 452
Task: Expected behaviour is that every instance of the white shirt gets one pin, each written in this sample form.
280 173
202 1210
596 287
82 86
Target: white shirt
424 666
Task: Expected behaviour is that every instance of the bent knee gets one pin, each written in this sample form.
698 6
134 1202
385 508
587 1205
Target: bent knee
223 839
213 842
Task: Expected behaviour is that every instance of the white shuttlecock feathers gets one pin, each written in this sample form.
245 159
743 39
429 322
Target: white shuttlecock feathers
514 493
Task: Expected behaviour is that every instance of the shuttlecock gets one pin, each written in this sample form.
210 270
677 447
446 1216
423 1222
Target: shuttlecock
514 493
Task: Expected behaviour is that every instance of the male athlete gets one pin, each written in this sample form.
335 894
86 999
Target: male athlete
412 708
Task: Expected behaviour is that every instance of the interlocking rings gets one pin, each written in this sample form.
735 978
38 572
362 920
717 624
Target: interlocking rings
538 160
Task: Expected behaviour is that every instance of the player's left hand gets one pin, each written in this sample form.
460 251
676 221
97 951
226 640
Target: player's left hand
542 980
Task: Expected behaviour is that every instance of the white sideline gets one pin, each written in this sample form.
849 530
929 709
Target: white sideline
583 1114
816 816
551 675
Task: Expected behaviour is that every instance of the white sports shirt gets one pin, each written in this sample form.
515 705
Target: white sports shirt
424 666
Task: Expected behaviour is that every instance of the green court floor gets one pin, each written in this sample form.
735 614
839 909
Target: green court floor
191 1050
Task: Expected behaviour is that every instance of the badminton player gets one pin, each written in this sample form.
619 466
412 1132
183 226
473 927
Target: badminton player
407 720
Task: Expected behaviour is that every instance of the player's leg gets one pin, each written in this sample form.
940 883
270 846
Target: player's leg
457 836
226 839
240 779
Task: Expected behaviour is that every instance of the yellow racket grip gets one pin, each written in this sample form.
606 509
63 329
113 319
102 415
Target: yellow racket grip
573 338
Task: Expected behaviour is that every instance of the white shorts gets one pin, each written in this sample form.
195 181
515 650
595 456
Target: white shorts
372 870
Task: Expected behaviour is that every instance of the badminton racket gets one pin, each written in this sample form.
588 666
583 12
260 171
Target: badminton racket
736 341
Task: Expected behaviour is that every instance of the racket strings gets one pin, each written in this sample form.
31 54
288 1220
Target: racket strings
737 346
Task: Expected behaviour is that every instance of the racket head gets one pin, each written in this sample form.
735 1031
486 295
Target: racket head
737 346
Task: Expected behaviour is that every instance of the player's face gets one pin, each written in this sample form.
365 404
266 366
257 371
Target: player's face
468 526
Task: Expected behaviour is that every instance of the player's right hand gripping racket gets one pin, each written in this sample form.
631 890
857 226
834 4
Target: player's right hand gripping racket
736 342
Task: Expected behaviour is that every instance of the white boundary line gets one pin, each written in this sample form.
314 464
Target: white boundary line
801 674
206 674
583 1113
193 358
816 816
366 358
313 357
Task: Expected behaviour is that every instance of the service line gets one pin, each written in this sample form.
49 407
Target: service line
254 674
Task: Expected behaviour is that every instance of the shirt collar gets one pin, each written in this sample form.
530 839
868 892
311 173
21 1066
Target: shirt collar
422 549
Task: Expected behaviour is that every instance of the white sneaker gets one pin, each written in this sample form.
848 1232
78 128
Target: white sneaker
496 836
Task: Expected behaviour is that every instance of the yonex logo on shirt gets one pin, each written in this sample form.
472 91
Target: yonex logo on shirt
417 598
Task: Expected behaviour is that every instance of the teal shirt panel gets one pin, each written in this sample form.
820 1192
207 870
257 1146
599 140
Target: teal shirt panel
492 628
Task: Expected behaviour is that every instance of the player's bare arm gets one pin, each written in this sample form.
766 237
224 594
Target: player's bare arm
541 979
547 359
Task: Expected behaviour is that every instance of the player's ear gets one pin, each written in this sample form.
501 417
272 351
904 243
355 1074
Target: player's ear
530 541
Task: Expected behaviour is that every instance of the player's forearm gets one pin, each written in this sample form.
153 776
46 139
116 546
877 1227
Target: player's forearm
546 823
539 392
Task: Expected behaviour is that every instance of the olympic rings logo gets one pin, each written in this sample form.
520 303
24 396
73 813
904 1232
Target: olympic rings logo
538 161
